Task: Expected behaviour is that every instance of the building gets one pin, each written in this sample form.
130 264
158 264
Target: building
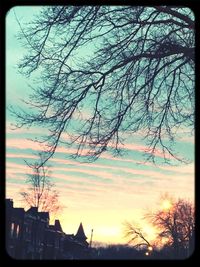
14 229
76 246
35 224
30 236
53 242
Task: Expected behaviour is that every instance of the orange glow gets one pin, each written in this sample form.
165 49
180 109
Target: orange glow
150 232
164 240
166 204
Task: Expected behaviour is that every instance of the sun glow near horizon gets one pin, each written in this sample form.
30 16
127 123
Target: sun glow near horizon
166 204
150 232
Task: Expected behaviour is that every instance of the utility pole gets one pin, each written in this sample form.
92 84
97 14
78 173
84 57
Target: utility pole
91 238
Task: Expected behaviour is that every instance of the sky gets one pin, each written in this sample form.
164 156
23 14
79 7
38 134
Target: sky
104 194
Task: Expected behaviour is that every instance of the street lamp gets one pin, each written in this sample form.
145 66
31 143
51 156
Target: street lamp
149 251
150 248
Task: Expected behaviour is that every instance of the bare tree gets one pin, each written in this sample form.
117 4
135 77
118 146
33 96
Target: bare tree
176 224
138 76
41 192
136 236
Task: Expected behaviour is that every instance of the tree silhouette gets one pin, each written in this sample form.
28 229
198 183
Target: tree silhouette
177 225
136 237
41 192
107 70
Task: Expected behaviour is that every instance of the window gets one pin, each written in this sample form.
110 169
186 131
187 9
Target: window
17 231
12 230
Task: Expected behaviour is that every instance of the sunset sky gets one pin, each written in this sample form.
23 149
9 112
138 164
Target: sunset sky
101 195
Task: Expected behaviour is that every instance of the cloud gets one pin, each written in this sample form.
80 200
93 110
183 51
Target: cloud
103 176
187 139
107 173
16 166
27 156
182 169
96 169
142 148
21 144
11 131
110 181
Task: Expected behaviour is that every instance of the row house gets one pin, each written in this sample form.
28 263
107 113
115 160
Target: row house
35 224
30 236
14 229
54 237
76 246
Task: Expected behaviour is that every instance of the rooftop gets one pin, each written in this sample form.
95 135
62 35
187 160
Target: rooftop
80 235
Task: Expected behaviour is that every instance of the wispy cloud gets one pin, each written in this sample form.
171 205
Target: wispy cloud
182 169
21 156
21 144
16 166
15 131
